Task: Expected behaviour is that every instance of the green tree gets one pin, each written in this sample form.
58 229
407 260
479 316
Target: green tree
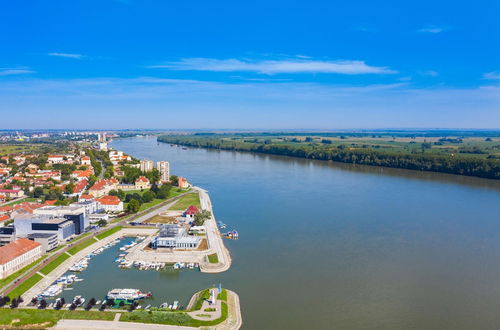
133 206
153 175
38 192
148 196
174 180
69 188
201 217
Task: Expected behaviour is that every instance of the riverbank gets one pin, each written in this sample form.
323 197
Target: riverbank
393 155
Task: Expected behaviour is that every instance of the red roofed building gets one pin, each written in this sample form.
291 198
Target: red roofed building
103 187
18 254
6 209
12 193
80 175
142 183
27 207
86 198
182 182
3 218
55 159
111 204
86 160
80 187
191 211
50 202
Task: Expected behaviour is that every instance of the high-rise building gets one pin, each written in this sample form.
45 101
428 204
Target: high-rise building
164 168
146 165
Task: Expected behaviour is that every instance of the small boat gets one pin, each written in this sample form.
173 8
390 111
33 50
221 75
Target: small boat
98 302
175 305
127 294
164 305
147 307
78 301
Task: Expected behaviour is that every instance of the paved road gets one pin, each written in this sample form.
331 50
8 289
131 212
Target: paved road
113 325
214 238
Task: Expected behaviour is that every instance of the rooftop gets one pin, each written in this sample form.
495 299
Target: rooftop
15 249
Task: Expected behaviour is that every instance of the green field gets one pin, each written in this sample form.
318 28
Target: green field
25 286
74 250
8 149
202 296
213 259
186 201
108 232
54 263
31 200
172 193
42 319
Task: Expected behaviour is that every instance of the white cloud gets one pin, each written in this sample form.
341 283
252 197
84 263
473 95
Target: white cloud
275 66
430 73
492 75
168 102
10 72
433 29
67 55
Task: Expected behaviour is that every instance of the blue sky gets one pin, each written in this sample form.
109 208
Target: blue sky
258 64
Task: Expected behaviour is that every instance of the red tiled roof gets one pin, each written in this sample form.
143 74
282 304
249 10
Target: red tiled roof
15 249
192 210
109 200
50 202
80 186
6 208
4 217
142 179
9 190
86 197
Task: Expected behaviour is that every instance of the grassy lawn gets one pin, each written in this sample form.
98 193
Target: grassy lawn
29 199
205 294
54 263
7 149
223 295
213 259
43 319
25 286
186 201
171 194
172 318
154 202
109 232
74 250
10 278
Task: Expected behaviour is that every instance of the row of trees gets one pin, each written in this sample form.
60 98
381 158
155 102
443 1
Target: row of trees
135 200
130 174
471 166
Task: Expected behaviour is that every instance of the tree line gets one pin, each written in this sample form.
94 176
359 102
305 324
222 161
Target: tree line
453 164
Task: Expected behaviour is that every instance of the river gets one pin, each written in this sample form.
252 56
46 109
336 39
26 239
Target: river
325 245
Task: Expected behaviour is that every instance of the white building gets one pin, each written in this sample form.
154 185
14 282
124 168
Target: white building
146 165
18 254
164 168
111 204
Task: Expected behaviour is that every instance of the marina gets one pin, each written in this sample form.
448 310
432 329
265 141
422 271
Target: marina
96 277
